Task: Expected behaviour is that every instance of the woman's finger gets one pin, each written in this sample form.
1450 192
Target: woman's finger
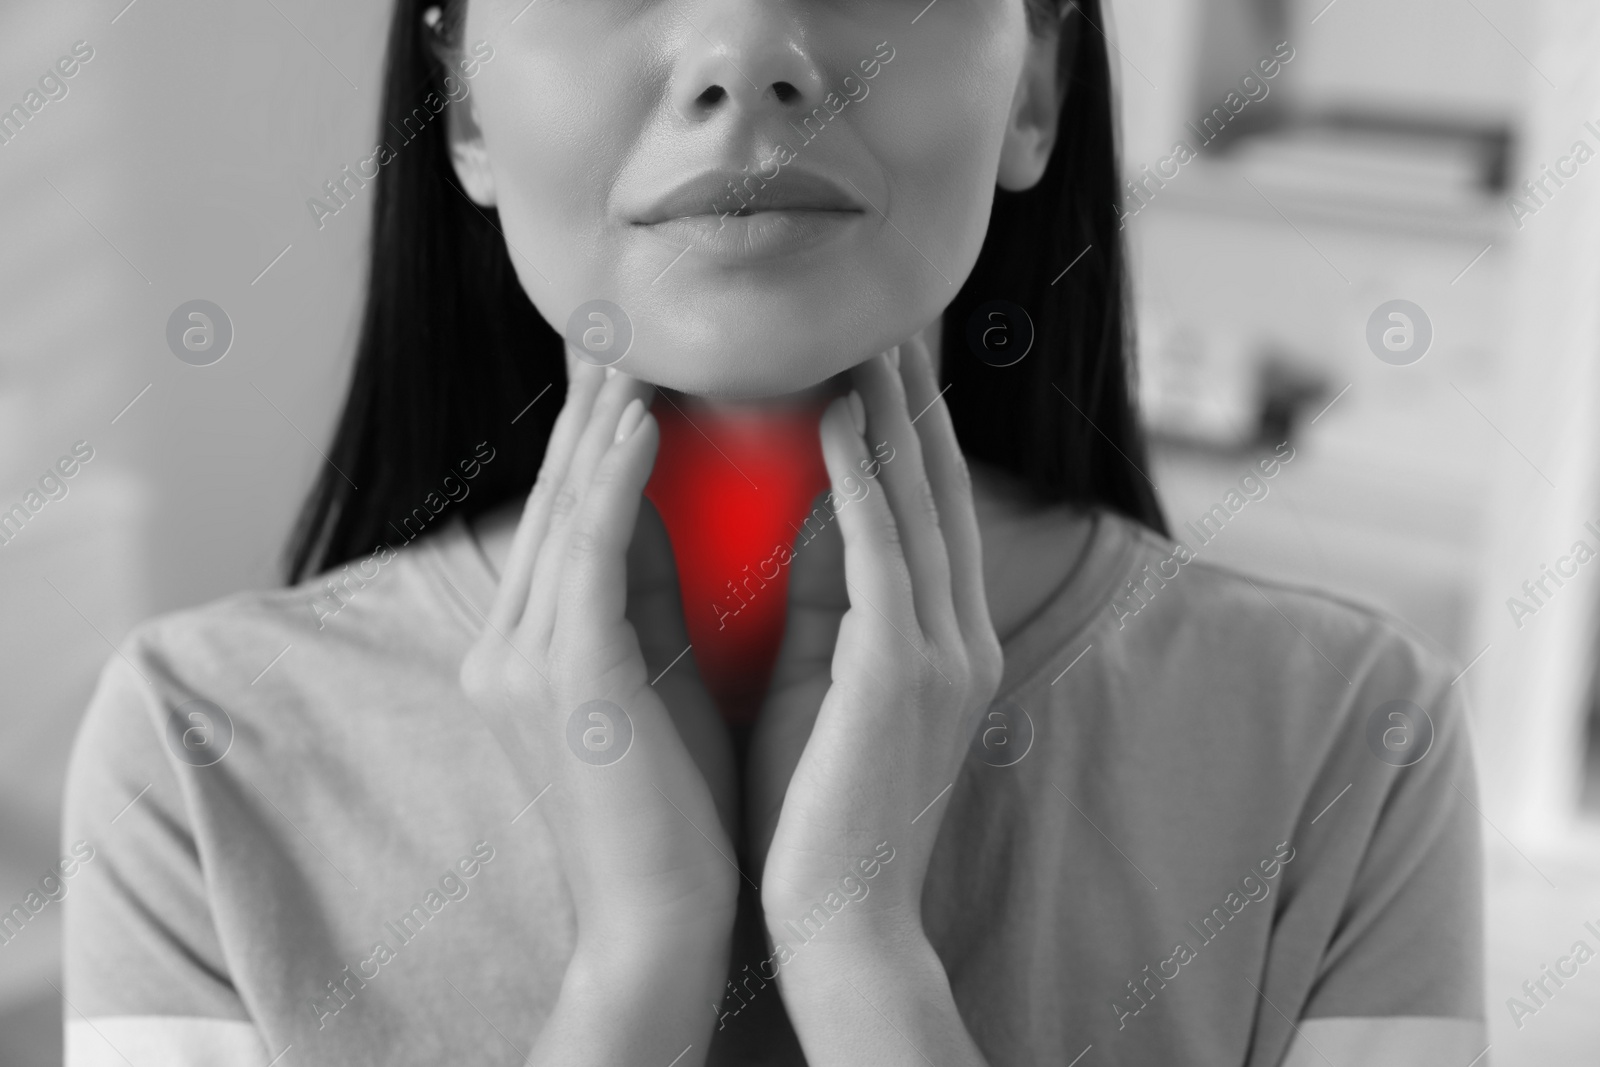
593 584
875 571
511 598
952 488
592 440
911 496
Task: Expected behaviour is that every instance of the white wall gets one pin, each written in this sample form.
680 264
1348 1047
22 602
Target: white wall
176 167
1533 682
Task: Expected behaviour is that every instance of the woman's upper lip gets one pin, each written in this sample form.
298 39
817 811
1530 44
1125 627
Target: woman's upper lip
709 193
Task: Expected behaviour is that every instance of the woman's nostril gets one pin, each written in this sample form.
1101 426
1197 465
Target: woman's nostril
783 91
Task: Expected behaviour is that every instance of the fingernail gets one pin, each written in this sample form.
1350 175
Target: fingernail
894 357
611 372
632 416
858 411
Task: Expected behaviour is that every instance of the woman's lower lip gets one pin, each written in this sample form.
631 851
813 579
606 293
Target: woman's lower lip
746 238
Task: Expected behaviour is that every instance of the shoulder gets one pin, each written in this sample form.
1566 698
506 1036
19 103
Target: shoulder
1169 593
1201 654
267 661
364 602
1301 698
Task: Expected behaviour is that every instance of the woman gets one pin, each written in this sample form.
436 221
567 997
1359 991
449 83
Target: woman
962 768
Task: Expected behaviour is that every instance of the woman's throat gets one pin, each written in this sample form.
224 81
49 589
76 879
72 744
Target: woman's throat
732 487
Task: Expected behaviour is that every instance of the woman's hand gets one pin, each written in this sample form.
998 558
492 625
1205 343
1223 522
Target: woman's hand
559 675
889 662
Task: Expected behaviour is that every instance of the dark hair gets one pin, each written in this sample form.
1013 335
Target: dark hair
452 353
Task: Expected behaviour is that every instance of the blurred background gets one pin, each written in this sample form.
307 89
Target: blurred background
1424 151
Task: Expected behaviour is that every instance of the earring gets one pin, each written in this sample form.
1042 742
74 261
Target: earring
432 17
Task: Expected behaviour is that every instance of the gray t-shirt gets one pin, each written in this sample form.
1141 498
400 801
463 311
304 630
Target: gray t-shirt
1185 835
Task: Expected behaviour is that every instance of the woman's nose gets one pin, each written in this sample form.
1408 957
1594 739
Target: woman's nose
745 56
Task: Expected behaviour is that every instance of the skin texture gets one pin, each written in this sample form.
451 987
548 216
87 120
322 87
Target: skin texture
591 109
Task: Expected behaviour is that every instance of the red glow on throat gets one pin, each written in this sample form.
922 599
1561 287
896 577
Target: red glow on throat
732 489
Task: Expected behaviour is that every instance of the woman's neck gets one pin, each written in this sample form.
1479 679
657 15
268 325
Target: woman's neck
1028 549
734 483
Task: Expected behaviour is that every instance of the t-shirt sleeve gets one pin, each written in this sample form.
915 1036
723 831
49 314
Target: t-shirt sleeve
1409 940
146 978
1393 876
